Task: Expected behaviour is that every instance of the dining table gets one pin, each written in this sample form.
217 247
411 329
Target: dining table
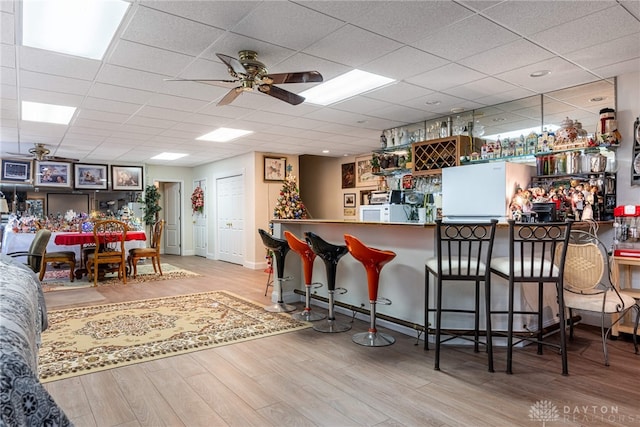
75 239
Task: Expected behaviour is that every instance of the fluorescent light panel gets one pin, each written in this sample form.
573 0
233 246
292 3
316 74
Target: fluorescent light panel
47 113
168 156
224 135
75 27
345 86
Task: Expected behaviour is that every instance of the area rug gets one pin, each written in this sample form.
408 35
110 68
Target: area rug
90 339
58 280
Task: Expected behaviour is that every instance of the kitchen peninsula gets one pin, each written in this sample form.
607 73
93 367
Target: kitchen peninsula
402 280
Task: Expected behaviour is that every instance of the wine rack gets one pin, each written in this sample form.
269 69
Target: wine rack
429 157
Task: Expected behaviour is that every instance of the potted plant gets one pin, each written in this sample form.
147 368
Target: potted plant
375 163
409 159
151 206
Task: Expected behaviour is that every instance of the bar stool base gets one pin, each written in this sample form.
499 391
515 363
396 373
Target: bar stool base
331 326
373 339
280 307
308 316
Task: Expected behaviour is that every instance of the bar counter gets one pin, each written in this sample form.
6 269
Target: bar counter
402 279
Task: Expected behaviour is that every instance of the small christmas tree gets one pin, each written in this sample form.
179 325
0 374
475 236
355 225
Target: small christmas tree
289 204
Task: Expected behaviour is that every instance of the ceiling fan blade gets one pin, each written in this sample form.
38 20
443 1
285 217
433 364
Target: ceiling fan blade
230 96
281 94
232 63
202 80
300 77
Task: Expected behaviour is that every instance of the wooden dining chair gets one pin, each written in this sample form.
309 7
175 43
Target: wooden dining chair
109 237
153 252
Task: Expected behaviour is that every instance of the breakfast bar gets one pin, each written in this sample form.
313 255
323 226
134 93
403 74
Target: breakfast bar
401 280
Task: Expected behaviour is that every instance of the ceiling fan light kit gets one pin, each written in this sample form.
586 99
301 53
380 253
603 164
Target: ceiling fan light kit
251 73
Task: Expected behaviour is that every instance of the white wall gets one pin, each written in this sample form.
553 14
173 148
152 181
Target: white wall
628 99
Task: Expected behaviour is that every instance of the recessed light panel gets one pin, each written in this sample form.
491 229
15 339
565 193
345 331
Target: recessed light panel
168 156
75 27
47 113
224 135
345 86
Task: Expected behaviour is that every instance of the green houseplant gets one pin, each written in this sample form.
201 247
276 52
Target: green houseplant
151 204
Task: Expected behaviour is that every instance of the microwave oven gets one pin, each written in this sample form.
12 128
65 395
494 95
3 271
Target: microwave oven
385 213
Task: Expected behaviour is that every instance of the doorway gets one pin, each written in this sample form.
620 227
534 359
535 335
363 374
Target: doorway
172 216
230 219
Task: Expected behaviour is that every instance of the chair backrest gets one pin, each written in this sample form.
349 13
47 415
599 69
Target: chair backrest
109 235
279 248
585 264
464 248
38 248
537 251
156 237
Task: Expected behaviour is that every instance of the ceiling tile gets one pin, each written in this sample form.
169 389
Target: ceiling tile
6 29
58 63
450 75
520 53
33 80
404 62
7 56
118 93
147 58
466 38
308 25
154 28
221 14
618 50
127 77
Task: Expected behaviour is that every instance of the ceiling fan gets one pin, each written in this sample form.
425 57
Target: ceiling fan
252 74
40 152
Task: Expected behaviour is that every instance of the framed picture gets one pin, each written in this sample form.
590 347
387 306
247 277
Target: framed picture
349 212
275 168
90 177
128 178
364 176
16 170
350 200
53 174
348 175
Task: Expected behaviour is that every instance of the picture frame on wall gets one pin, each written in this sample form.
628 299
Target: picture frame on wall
90 176
349 175
53 174
275 168
16 170
126 178
349 200
364 174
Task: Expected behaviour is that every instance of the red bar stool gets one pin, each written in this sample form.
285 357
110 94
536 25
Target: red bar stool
301 247
373 260
280 248
331 255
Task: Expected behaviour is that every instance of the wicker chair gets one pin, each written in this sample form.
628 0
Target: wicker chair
588 285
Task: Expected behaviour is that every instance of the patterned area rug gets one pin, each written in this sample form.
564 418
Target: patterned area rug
89 339
58 279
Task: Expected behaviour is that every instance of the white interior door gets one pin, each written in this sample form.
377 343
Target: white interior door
172 203
230 219
200 222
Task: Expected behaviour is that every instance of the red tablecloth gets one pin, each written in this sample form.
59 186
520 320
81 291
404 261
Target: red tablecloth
70 239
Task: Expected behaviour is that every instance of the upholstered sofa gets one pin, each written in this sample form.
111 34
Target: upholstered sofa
23 316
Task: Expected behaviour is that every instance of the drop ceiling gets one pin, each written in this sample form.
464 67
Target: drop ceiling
464 54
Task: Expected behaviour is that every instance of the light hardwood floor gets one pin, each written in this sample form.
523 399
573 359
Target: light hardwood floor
308 378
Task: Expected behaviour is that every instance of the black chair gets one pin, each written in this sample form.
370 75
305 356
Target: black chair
331 255
537 253
463 254
279 248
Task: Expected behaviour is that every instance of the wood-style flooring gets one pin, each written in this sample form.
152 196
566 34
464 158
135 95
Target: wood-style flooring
308 378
